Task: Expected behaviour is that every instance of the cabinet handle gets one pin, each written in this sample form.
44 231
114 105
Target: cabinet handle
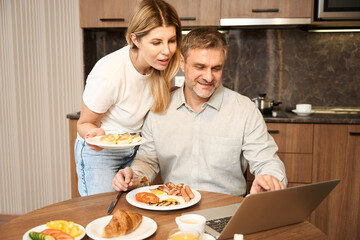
354 133
112 19
187 18
265 10
274 131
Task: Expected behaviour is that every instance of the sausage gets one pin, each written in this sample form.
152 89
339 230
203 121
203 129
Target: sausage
189 192
170 185
185 195
172 191
163 188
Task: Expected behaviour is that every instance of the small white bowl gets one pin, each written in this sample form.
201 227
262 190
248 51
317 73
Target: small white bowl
304 107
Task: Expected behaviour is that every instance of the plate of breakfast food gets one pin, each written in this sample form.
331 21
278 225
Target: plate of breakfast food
59 229
116 141
163 197
123 225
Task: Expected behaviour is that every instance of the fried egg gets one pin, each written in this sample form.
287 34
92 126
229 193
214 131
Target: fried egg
164 196
157 192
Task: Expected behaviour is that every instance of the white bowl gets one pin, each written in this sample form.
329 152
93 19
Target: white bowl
303 107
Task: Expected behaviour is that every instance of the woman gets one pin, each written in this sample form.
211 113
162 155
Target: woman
122 87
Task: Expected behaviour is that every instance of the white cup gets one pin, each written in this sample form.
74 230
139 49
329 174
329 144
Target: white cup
191 221
303 108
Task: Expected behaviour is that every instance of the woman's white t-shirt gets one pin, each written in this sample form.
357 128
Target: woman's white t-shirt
115 88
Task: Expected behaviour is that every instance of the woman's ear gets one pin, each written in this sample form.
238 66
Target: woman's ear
134 39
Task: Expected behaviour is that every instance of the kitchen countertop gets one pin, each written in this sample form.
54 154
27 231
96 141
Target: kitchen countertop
286 116
75 115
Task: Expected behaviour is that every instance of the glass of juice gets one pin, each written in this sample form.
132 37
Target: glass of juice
189 234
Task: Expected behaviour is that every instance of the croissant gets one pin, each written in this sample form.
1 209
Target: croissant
122 223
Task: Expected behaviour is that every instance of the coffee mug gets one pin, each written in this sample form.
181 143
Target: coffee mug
188 234
303 108
191 221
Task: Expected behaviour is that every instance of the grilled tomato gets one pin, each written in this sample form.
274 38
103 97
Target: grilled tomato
146 197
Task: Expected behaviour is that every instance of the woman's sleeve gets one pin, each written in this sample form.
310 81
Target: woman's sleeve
101 90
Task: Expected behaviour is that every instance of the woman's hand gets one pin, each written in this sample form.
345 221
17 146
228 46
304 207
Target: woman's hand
92 133
88 125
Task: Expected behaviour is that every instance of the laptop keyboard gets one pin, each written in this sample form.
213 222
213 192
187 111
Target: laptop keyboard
218 224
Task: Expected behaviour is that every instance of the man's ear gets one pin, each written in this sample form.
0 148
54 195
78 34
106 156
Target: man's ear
182 62
134 39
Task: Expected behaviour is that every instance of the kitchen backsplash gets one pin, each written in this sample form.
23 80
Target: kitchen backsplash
290 65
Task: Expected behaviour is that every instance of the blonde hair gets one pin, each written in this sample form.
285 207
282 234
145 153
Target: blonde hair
149 14
203 37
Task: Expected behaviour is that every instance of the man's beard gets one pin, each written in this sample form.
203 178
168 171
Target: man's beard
203 95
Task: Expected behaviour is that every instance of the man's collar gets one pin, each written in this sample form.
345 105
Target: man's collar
215 100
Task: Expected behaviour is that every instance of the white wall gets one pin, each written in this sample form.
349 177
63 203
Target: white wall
41 73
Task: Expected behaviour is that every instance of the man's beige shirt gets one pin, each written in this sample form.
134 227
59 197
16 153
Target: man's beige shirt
210 150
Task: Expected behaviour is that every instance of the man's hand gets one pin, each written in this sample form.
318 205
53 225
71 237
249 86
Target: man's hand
264 183
123 180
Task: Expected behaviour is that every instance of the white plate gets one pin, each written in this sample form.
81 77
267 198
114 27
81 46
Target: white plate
130 197
207 237
43 227
96 141
303 114
146 228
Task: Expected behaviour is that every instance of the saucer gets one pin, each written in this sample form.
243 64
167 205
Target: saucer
303 114
207 237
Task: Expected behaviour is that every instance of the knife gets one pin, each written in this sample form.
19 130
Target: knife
113 203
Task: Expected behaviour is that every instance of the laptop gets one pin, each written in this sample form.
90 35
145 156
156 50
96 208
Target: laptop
267 210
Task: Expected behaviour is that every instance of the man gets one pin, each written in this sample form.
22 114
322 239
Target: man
209 134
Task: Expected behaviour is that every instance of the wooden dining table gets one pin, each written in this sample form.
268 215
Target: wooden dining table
83 210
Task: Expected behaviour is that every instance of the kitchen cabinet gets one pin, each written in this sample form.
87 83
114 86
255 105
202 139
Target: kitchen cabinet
337 156
116 13
295 142
105 13
192 13
266 8
264 12
321 152
197 12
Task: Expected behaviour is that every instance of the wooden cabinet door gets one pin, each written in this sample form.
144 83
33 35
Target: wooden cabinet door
116 13
337 156
295 150
105 13
295 142
298 167
292 137
266 8
197 12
